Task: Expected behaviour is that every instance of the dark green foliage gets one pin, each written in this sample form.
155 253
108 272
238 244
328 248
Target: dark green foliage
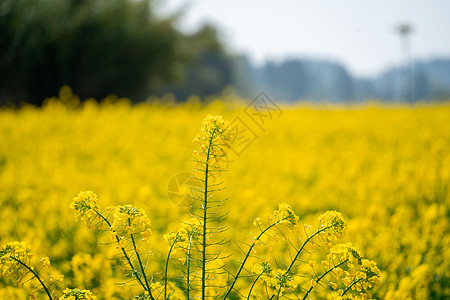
99 47
207 67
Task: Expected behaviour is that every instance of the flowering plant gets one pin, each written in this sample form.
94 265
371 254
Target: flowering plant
204 271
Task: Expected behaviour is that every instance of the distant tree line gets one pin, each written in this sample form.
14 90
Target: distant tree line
328 81
102 47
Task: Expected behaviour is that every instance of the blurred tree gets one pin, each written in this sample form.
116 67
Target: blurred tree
208 67
98 47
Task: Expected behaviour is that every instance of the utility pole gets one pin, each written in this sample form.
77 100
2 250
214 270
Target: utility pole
405 30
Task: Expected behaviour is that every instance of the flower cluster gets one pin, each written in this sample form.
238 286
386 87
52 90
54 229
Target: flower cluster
264 270
284 281
190 231
128 217
12 255
86 207
356 273
332 225
214 139
277 280
286 215
15 261
77 294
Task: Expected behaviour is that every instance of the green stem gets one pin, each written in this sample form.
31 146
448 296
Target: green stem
188 265
323 275
205 215
299 251
253 284
35 275
248 255
279 292
350 286
165 271
139 259
135 273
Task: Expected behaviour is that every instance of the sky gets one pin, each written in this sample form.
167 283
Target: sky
360 34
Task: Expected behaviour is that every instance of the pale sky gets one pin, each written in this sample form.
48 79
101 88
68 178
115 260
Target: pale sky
360 34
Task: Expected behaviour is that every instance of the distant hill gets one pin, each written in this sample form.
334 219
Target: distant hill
320 80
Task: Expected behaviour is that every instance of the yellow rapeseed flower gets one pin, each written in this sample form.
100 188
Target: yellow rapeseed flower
77 294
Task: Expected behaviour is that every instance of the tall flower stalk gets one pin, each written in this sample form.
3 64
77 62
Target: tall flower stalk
213 142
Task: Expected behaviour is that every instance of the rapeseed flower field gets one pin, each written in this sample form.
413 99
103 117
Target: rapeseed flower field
319 202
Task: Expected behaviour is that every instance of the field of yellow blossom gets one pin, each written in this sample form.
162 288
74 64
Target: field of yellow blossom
386 168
